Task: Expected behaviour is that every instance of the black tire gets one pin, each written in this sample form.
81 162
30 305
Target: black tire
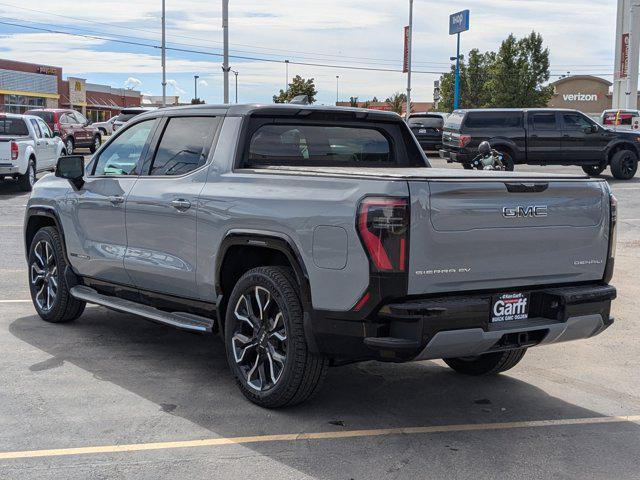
593 170
301 373
63 307
467 166
95 143
624 164
507 160
69 145
487 364
28 180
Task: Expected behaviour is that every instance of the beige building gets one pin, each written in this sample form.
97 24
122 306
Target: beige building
589 94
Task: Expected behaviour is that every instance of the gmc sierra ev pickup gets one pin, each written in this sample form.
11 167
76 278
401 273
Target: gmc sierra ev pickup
307 237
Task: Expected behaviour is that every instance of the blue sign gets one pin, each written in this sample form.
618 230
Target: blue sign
459 22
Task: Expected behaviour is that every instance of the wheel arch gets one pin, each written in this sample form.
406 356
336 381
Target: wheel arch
38 217
502 144
615 147
242 250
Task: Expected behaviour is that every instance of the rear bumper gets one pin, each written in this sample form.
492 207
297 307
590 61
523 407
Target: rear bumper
9 169
459 325
452 156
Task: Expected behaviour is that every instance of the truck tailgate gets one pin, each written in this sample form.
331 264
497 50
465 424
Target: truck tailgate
494 234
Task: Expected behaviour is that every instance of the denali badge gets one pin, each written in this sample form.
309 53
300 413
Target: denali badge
529 211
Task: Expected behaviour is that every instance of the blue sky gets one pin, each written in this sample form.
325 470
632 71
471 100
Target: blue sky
579 34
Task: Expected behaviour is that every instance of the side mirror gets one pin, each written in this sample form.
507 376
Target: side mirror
595 129
72 168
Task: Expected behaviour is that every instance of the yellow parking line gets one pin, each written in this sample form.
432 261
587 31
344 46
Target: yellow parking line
292 437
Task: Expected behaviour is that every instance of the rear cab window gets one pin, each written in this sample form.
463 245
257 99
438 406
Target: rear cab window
297 142
454 121
13 126
426 121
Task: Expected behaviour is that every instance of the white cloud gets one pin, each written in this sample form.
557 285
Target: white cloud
132 82
177 90
203 83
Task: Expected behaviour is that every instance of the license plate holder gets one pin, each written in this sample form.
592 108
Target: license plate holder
422 130
508 307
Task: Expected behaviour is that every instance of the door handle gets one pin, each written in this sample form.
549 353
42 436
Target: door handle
181 204
116 200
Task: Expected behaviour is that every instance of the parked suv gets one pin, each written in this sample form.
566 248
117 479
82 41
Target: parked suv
72 127
541 137
427 127
314 236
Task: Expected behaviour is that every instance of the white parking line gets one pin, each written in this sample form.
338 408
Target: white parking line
15 301
293 437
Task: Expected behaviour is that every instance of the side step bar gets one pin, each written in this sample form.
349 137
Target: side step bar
181 320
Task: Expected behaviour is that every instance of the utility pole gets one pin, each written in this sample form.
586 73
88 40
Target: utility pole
235 72
286 77
164 58
337 85
225 35
195 86
409 60
456 94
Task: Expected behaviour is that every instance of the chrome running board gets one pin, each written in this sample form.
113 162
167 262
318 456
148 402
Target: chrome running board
181 320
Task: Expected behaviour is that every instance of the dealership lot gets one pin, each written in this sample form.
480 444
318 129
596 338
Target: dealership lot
159 403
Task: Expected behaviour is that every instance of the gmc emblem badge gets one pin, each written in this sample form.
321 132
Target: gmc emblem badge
528 211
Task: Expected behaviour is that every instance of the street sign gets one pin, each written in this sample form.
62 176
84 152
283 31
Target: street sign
459 22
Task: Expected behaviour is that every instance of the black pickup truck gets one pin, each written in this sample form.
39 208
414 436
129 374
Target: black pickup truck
541 137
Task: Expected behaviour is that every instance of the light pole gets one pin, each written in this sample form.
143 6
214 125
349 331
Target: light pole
409 59
225 38
164 59
337 85
286 77
195 87
235 72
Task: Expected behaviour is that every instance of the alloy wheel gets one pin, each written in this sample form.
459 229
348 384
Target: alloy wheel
259 340
44 275
32 174
627 165
70 147
96 143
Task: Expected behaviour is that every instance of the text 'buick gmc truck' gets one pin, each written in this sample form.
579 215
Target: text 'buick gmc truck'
308 237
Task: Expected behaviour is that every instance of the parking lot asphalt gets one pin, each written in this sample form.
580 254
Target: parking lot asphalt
113 396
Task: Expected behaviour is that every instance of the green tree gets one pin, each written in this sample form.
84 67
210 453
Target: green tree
298 86
512 77
353 101
396 101
196 101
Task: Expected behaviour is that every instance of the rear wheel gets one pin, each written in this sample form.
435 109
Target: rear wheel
487 364
95 145
49 289
624 164
264 337
26 181
593 170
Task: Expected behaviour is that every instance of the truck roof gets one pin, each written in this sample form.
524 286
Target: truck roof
489 110
287 109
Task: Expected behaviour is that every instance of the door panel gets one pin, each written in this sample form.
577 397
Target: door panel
98 208
544 141
163 206
579 143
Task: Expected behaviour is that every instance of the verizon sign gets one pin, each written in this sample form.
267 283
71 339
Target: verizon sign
580 97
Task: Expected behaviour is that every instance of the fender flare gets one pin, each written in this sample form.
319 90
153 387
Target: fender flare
28 153
275 241
498 142
617 143
49 212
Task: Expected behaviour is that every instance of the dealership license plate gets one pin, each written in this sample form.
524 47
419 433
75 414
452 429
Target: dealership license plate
422 130
506 307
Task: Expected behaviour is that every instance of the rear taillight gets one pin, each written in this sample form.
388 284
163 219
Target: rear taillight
56 128
613 237
463 140
383 225
14 150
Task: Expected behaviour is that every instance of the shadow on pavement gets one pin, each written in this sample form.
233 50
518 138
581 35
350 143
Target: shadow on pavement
186 375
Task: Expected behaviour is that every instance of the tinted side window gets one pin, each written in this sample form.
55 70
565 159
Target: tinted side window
79 118
36 128
544 121
122 155
573 121
184 145
493 120
44 128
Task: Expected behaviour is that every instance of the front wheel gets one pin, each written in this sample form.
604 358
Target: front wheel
487 364
49 290
265 342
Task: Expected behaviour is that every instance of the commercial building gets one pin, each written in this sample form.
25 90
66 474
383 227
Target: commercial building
24 86
587 93
156 100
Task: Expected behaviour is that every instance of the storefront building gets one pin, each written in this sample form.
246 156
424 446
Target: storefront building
591 95
24 86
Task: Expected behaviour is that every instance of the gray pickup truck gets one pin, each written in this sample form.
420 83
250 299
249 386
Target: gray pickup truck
308 237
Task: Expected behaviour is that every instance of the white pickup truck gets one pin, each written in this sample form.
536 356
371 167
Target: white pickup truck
27 146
